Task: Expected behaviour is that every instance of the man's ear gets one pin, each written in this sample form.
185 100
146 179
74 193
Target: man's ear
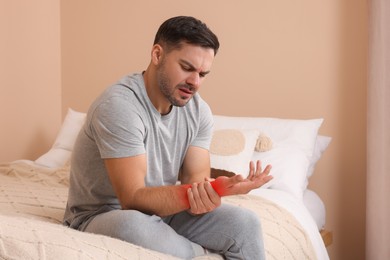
157 53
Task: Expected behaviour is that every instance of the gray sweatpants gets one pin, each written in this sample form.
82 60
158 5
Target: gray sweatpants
228 230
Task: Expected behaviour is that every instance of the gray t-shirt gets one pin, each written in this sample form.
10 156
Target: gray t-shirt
123 122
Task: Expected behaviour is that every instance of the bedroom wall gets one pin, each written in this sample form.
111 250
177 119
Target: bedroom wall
289 59
30 80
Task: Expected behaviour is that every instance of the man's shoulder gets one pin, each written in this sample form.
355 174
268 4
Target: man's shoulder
132 83
127 88
131 80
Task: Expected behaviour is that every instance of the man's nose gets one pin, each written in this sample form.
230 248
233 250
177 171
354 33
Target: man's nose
194 79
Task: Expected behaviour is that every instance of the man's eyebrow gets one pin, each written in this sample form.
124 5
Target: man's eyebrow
189 64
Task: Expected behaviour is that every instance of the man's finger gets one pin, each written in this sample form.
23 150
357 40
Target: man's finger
191 200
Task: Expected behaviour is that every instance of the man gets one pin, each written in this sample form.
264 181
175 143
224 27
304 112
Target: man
138 136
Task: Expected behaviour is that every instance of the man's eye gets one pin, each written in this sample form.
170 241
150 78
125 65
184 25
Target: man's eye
186 68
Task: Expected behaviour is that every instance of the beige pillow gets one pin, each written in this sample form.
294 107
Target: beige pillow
232 149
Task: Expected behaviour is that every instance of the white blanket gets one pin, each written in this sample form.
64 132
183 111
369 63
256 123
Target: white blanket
32 202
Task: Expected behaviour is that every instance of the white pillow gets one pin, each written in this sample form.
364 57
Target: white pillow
322 142
231 149
289 169
293 146
62 148
290 165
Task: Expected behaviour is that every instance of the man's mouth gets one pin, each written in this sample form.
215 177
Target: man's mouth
186 91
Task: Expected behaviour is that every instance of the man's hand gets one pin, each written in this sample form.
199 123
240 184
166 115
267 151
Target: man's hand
205 196
202 198
226 186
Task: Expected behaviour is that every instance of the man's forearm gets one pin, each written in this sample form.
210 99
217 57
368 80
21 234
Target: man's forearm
162 201
165 200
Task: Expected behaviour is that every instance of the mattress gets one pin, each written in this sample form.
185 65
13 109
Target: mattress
316 207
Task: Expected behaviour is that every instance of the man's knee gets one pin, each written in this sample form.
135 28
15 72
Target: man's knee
237 221
238 214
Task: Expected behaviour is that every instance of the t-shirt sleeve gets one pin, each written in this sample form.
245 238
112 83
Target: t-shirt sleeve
118 129
206 122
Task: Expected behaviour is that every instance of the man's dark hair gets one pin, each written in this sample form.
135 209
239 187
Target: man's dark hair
176 30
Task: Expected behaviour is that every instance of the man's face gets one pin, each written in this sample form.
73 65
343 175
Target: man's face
181 72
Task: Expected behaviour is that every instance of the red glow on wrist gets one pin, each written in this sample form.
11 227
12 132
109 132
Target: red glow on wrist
217 187
185 197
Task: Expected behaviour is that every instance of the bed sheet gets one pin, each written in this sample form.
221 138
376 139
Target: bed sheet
316 207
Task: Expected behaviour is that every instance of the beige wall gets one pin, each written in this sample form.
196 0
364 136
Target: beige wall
289 59
30 77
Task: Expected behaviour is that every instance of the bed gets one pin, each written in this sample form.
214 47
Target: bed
33 194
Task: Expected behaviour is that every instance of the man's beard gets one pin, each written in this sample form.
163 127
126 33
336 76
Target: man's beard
164 84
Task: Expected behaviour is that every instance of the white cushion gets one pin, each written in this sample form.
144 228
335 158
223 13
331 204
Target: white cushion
322 143
289 168
62 148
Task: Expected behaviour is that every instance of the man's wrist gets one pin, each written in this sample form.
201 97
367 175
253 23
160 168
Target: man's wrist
185 188
217 187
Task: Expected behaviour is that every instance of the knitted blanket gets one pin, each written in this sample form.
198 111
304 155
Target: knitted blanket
32 203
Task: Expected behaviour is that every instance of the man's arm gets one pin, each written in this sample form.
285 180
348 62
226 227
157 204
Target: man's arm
127 177
195 172
196 194
196 165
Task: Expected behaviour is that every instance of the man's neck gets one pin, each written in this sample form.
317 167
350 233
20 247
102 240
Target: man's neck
154 93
